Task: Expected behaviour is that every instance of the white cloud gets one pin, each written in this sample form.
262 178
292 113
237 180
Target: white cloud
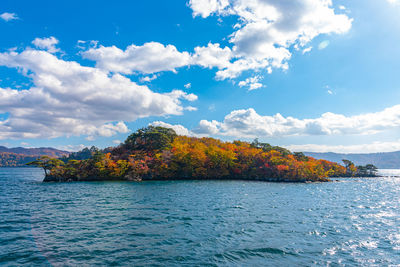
361 148
263 38
48 44
212 55
268 29
148 78
247 123
8 16
85 45
204 8
71 148
70 99
190 108
149 58
329 92
179 129
307 50
324 44
394 2
188 85
208 127
255 86
252 83
154 57
180 94
117 142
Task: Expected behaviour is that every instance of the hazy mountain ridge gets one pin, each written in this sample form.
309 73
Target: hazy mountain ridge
19 156
383 160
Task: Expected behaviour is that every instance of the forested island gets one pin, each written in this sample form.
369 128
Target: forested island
157 153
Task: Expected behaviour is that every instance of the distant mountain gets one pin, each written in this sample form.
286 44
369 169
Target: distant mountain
41 151
384 160
19 156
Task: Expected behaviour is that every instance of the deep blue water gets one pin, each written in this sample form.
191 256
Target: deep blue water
192 223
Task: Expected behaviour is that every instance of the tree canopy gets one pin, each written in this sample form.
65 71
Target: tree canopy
150 138
159 153
47 163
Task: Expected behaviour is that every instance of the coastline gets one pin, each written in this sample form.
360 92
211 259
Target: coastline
55 179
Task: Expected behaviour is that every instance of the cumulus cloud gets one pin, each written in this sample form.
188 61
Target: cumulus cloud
268 29
252 83
48 44
212 55
70 99
149 58
8 16
179 129
265 33
207 128
206 7
148 78
180 94
188 85
249 124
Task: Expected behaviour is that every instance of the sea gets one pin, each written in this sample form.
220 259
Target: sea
348 222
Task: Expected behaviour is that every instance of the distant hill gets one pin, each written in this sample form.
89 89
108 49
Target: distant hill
19 156
384 160
41 151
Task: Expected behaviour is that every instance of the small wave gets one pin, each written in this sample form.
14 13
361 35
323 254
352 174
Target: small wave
237 207
355 245
12 239
237 255
330 251
140 218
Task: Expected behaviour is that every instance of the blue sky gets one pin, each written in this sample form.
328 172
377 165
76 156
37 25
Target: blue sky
313 75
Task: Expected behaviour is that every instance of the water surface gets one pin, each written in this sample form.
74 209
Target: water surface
215 223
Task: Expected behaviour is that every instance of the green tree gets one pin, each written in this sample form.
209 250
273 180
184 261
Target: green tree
151 138
371 169
362 171
351 169
300 156
267 147
46 163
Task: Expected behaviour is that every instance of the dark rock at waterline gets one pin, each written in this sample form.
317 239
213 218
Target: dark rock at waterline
136 178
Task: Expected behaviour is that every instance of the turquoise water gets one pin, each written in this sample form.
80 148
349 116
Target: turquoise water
192 223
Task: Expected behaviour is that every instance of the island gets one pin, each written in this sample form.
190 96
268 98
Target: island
158 153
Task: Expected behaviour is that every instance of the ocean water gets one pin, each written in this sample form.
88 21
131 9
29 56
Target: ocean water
389 172
354 222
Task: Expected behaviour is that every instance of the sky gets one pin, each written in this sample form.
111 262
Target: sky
309 75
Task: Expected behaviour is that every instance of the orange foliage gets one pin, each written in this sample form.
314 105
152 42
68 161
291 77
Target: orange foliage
204 158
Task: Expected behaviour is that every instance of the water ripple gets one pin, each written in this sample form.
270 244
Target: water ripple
198 223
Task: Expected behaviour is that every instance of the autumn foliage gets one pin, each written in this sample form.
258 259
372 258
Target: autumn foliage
156 153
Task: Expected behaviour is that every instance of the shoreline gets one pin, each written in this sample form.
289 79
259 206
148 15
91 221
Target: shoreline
54 179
